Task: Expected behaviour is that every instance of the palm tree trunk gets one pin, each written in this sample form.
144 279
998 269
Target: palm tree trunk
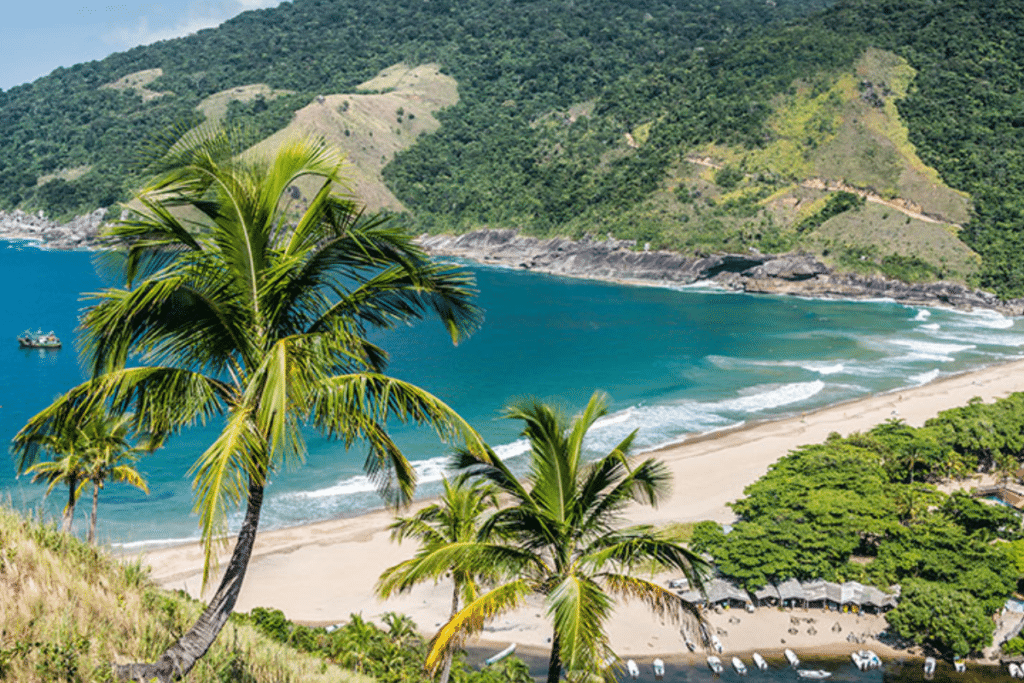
179 659
95 507
446 666
69 509
555 663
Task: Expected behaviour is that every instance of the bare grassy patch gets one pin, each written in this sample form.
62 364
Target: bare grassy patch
215 107
67 174
67 610
137 82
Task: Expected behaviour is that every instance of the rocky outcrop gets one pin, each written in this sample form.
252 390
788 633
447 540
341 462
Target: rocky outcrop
611 259
79 233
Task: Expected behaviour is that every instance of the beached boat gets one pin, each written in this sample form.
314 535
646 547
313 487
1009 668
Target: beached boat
501 655
960 665
38 340
740 667
874 661
760 661
929 666
690 645
1016 671
659 669
814 674
633 669
791 657
858 660
715 664
717 644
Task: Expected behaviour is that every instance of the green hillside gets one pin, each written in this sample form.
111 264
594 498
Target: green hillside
686 124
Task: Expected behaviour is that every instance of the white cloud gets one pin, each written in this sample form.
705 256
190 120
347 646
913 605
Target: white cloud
155 23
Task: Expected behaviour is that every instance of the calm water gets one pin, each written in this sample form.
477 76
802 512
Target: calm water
674 362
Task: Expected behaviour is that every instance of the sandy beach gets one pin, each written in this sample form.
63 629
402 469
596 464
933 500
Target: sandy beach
321 573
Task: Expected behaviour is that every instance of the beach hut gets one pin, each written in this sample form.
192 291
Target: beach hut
814 593
853 596
833 596
874 600
767 596
725 594
692 597
791 593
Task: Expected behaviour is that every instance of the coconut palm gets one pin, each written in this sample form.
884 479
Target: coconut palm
238 308
66 467
457 518
564 542
110 455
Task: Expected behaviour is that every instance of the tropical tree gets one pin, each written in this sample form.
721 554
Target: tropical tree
238 306
456 519
64 468
110 455
560 540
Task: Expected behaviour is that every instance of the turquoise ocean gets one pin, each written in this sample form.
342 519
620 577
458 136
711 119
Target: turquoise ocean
675 362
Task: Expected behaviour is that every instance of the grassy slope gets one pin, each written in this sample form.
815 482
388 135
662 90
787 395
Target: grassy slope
68 610
840 132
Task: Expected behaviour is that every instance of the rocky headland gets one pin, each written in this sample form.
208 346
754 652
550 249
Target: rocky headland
78 233
754 272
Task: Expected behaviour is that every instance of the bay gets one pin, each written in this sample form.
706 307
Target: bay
673 361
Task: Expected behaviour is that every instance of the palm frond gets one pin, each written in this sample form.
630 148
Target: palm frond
579 608
660 601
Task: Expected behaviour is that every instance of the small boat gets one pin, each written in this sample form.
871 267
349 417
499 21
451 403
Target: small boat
815 674
1016 671
740 667
858 660
715 664
960 665
659 669
501 655
38 340
791 657
874 661
760 661
929 666
633 669
690 645
717 644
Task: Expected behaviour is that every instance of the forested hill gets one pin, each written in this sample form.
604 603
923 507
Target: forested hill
698 125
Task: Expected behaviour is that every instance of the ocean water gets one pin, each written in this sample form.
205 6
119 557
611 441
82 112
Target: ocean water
673 361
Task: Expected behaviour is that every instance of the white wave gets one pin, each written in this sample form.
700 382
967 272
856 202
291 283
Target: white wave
925 377
984 318
981 338
512 450
155 543
930 326
925 350
615 418
922 315
822 368
774 397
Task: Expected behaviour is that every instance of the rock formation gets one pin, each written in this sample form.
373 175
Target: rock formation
611 259
79 233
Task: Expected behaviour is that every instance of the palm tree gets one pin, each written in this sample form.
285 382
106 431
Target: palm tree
65 467
237 308
457 518
564 543
109 456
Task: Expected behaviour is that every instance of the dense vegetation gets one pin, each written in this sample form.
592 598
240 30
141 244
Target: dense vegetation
573 117
866 508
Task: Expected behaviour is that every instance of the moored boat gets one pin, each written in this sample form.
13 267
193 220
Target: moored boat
815 674
659 669
760 661
929 666
874 661
740 667
500 655
633 669
715 664
1016 671
960 665
717 644
791 657
38 340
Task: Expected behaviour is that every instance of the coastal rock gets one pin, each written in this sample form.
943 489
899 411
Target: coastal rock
796 274
78 233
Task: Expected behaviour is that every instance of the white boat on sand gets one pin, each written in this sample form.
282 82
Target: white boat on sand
760 661
717 644
1016 671
715 664
791 657
740 667
633 669
659 669
501 655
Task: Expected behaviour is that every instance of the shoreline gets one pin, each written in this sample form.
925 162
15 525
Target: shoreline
322 572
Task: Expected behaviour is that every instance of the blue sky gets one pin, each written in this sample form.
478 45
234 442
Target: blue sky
37 36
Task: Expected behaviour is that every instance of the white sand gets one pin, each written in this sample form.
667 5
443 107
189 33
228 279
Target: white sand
320 573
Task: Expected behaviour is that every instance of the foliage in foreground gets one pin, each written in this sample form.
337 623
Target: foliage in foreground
68 609
866 508
389 655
